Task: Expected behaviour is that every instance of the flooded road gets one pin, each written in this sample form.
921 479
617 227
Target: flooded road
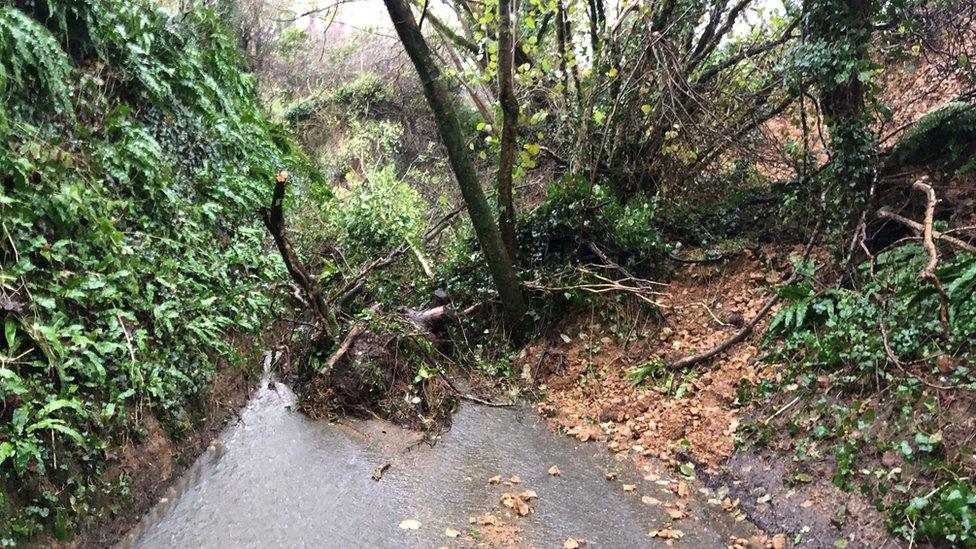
279 479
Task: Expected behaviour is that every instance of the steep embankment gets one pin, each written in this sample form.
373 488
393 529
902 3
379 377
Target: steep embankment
131 266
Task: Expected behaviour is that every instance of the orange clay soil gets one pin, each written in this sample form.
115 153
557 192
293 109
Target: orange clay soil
588 392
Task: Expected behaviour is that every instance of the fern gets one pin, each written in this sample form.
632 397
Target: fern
30 57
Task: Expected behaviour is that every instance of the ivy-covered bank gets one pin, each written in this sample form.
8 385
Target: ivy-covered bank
132 156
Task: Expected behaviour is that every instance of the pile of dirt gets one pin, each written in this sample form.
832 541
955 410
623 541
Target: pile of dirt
588 373
689 420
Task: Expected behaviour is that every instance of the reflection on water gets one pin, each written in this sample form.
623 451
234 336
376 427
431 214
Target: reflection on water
279 479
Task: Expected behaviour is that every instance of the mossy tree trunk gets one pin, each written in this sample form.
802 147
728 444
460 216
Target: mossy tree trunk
839 33
445 115
510 113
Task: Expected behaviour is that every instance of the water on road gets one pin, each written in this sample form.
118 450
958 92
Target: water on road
279 479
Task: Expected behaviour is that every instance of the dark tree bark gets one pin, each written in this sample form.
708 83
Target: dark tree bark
274 220
595 11
442 104
561 40
510 112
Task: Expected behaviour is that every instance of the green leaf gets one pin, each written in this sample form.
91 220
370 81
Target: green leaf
58 404
6 451
10 333
57 425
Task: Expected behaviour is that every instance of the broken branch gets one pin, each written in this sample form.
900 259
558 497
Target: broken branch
274 220
919 228
928 272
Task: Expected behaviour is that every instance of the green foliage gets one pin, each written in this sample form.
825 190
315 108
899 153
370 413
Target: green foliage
948 513
355 98
574 214
943 138
129 171
841 335
32 62
375 215
840 326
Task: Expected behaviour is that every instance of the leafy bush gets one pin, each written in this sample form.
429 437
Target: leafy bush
133 156
575 214
375 215
354 98
840 326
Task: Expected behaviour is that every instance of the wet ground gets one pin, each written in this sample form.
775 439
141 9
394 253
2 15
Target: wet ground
279 479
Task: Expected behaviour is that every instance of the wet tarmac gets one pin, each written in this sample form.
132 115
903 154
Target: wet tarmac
279 479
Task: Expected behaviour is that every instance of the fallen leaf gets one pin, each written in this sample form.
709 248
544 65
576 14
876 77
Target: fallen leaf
573 543
410 524
807 504
452 533
515 479
554 471
675 514
666 533
683 490
610 475
378 472
528 495
779 541
495 479
630 487
651 501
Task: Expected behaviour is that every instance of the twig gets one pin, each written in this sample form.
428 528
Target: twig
781 410
603 257
606 285
918 227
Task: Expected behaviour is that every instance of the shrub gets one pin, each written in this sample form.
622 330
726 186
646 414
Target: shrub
130 252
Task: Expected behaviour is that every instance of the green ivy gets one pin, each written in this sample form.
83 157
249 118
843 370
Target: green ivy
133 156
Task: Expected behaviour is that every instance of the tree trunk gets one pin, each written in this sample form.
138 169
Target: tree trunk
274 220
843 28
563 60
442 104
510 112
